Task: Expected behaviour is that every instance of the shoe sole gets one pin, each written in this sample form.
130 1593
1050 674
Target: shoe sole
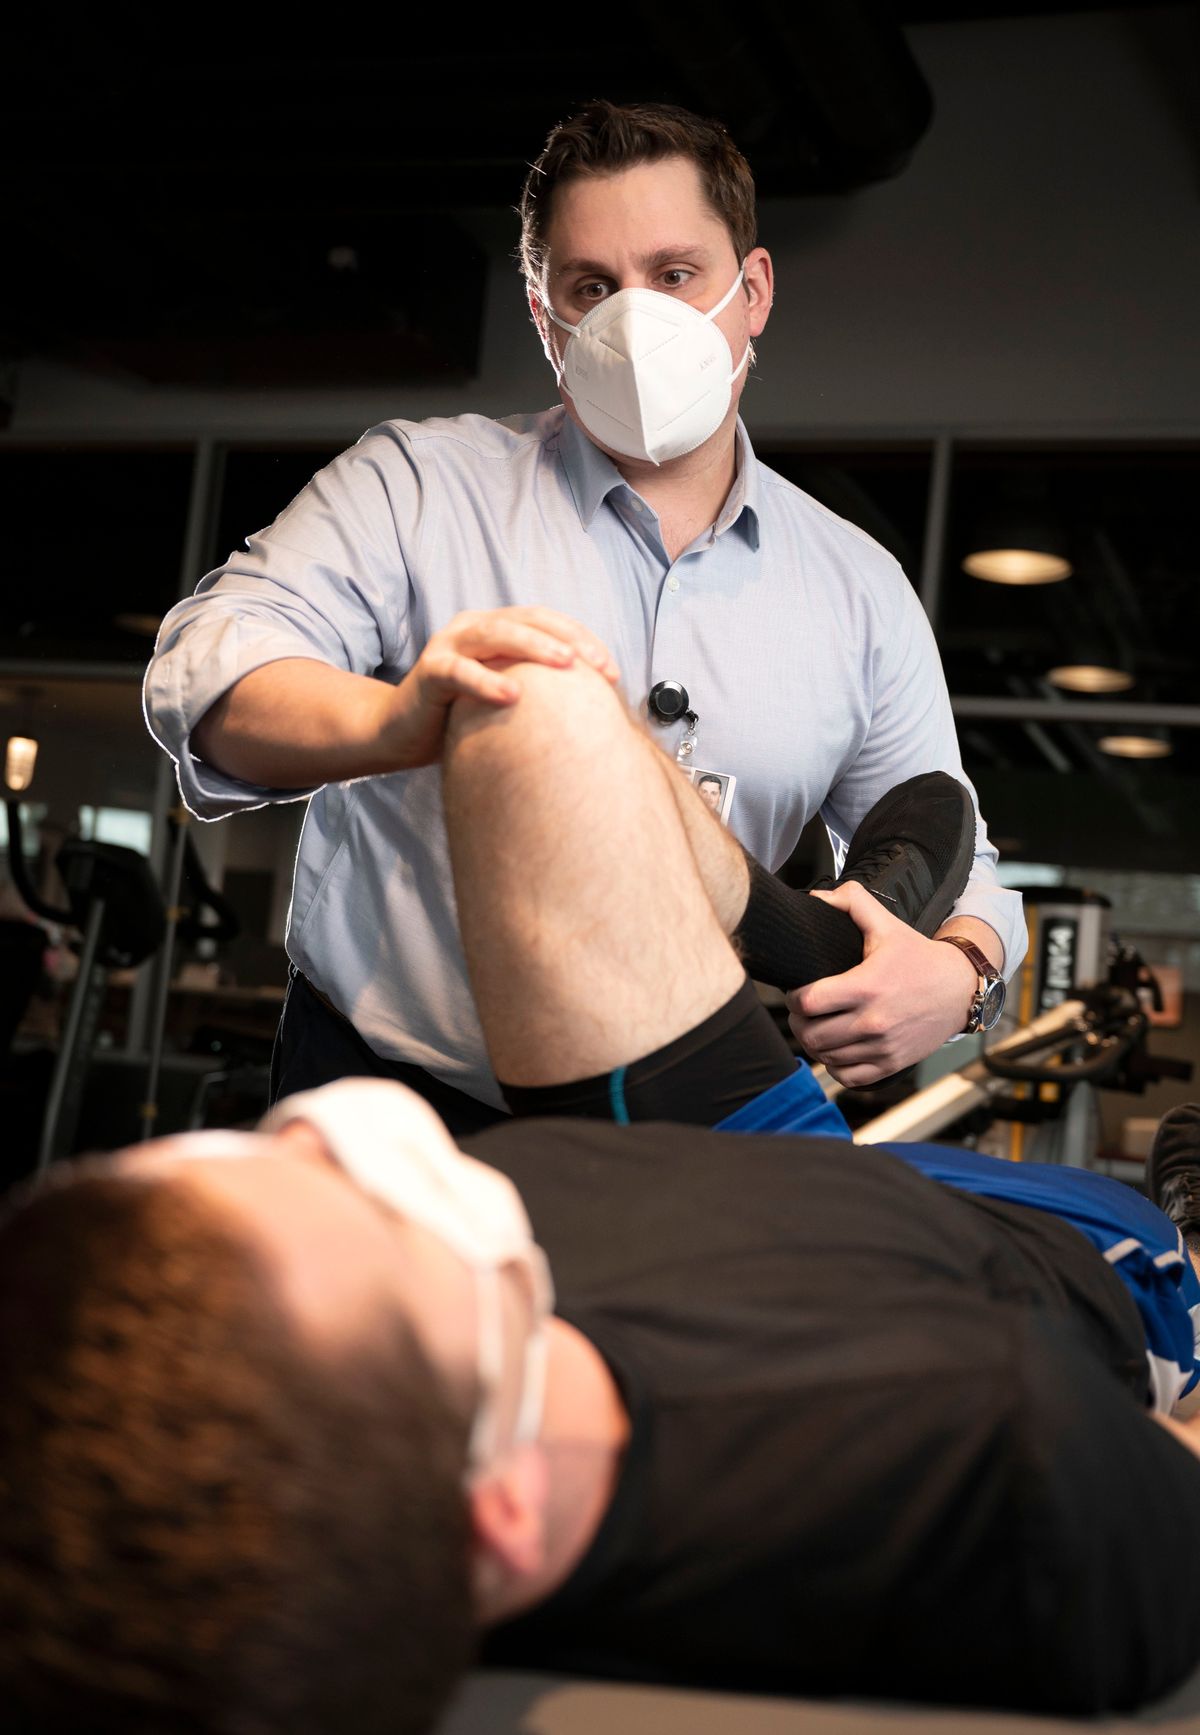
957 874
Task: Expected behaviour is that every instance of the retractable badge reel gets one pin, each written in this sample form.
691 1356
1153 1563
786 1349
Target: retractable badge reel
668 702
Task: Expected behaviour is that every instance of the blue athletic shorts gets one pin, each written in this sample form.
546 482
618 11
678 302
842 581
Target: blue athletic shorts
1143 1247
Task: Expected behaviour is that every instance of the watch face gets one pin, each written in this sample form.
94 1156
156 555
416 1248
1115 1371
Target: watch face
993 1005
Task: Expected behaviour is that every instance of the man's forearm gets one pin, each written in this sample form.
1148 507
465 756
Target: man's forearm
296 723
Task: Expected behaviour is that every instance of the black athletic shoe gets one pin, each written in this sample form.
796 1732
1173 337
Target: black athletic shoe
1173 1167
914 850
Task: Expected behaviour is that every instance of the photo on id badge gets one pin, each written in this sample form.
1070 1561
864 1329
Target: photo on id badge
713 787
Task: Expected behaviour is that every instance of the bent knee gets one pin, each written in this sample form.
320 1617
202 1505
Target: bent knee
572 707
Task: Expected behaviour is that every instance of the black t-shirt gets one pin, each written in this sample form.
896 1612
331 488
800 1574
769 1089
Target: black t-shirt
887 1438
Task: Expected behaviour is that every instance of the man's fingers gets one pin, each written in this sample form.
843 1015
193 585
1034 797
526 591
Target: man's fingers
856 1076
576 634
840 1032
494 636
829 995
531 635
450 676
864 910
851 1061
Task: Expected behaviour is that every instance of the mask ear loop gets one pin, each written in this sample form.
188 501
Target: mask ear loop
728 295
720 308
533 1394
547 347
482 1445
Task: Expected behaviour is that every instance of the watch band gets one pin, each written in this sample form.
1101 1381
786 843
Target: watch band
986 971
983 964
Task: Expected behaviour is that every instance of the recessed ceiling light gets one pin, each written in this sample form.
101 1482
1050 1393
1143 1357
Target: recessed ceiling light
1017 566
1090 678
1135 746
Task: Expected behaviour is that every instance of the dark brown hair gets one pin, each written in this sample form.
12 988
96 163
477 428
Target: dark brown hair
204 1526
604 137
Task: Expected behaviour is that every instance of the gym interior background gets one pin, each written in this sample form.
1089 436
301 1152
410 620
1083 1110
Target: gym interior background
226 264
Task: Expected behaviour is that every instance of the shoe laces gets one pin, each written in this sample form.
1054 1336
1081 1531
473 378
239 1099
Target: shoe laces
873 863
882 856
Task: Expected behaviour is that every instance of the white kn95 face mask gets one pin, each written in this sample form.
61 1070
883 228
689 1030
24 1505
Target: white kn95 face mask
392 1144
648 374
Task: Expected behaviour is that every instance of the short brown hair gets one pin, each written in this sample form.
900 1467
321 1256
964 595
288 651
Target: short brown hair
604 137
204 1526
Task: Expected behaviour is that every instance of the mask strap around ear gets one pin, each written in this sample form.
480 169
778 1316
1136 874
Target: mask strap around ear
533 1394
727 298
490 1329
562 322
547 346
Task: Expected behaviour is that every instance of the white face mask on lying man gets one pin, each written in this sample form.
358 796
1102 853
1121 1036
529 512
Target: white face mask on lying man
648 374
394 1147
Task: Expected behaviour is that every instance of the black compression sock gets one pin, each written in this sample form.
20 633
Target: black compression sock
788 938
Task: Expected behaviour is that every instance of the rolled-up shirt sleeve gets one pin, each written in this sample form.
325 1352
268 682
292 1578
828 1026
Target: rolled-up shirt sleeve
328 580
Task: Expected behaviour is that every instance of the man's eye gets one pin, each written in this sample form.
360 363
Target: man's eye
592 291
676 277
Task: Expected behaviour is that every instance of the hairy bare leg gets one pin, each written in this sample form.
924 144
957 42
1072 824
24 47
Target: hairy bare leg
721 860
589 934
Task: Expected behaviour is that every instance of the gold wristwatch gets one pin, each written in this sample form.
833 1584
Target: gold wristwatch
988 1003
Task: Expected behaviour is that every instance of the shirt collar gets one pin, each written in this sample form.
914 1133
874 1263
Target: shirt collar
592 478
741 508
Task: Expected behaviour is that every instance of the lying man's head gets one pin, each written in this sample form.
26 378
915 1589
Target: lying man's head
252 1387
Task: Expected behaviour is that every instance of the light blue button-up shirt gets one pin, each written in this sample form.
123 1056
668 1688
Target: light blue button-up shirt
805 652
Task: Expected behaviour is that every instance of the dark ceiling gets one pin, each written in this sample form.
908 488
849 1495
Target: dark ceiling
255 202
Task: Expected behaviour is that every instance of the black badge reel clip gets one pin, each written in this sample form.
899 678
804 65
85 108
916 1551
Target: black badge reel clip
668 702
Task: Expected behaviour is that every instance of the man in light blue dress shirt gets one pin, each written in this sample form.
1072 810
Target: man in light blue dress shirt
631 527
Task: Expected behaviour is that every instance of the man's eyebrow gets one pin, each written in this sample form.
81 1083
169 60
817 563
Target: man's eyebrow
647 261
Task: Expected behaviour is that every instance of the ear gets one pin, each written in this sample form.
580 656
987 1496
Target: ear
508 1516
760 288
537 309
538 313
545 326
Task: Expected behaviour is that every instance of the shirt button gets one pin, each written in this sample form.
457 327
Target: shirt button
672 583
638 505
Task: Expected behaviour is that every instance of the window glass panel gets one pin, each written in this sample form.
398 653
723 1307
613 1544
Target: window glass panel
883 490
121 825
91 553
32 815
1022 874
256 486
1050 795
1124 520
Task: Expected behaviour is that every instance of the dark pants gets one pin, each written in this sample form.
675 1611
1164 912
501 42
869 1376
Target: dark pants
314 1045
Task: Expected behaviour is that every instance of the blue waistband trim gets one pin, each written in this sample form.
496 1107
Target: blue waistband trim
616 1096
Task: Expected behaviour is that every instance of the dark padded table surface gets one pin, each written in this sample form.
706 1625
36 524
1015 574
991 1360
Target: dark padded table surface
502 1703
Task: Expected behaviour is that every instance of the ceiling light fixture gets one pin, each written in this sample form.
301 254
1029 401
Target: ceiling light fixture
1090 678
1017 566
1136 746
1019 537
